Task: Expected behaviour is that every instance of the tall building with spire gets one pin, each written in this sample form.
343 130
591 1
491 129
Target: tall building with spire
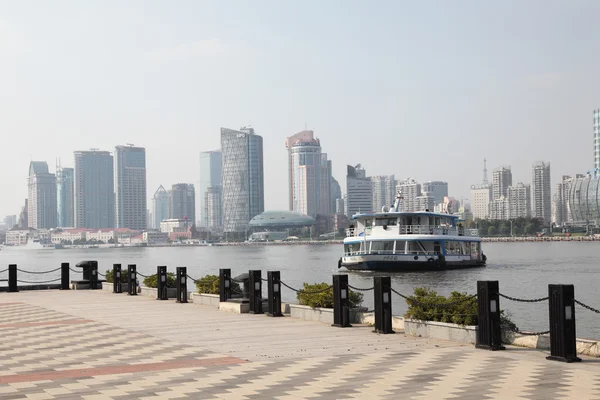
42 210
481 196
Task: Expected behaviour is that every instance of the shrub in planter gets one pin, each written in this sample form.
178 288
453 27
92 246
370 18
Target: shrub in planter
209 284
152 281
109 276
315 295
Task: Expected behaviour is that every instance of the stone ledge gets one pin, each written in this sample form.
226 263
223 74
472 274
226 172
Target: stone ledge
588 347
153 292
237 308
440 330
205 299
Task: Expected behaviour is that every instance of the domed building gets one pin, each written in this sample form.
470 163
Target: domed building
278 225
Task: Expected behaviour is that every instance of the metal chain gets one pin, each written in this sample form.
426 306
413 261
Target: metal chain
101 274
361 289
145 276
4 270
516 330
75 270
39 273
304 291
206 281
587 307
443 305
39 283
523 300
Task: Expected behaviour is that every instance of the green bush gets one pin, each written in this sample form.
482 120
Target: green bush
324 299
209 284
109 276
152 281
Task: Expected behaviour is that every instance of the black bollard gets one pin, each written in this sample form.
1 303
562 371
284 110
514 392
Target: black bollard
93 275
12 278
224 284
64 276
117 278
161 283
383 304
181 284
489 334
563 341
131 280
341 310
274 292
255 295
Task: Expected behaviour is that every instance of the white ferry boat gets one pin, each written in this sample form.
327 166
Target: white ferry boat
397 241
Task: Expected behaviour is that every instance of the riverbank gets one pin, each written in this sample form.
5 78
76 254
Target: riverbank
542 239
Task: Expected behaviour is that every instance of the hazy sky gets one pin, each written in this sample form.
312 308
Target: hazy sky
424 89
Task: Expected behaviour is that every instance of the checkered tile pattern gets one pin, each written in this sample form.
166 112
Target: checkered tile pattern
66 357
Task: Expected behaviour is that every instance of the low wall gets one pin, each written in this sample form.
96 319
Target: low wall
440 330
205 299
153 292
369 319
586 347
109 287
307 313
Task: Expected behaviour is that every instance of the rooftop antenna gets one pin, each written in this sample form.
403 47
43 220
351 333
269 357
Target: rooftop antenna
485 180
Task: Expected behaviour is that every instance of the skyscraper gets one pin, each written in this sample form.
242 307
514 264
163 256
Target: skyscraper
325 186
210 177
305 164
42 196
541 196
336 193
182 202
384 191
519 201
481 196
243 180
436 189
213 207
501 180
94 190
359 193
410 190
65 197
597 139
130 187
160 206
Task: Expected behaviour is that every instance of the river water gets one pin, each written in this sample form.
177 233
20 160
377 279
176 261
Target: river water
523 270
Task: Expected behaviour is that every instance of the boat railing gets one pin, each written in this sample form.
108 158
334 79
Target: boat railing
420 230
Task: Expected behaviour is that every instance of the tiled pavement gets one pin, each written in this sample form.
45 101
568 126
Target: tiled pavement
95 345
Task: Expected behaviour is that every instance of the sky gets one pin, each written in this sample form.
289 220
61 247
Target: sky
421 89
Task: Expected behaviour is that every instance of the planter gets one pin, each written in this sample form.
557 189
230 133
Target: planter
153 292
109 287
205 299
440 330
369 319
586 347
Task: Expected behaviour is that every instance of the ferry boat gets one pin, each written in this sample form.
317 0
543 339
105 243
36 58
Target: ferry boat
397 241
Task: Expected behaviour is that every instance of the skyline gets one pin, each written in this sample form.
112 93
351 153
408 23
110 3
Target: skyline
413 75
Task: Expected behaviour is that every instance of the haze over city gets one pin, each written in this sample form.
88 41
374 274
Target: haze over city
421 90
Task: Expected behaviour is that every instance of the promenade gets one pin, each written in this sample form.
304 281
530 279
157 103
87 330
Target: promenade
98 345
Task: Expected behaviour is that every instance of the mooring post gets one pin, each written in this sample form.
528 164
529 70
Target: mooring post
64 276
131 280
341 310
161 283
224 284
181 284
255 295
117 278
383 304
274 293
93 275
12 278
563 339
489 333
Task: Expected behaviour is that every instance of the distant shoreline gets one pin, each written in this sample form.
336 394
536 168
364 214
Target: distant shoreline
541 239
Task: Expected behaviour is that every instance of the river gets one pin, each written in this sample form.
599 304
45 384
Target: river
523 269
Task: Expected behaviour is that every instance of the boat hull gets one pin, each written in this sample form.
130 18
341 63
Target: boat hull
379 263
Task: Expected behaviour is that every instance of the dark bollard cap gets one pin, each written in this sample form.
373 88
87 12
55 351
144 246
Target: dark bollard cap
242 277
83 264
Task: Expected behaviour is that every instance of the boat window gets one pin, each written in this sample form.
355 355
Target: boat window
465 248
475 250
413 248
352 248
385 221
452 248
382 246
400 246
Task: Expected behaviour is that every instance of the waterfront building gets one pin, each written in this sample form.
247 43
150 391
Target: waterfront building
499 208
541 195
65 197
243 178
155 238
182 202
561 212
359 197
384 191
42 209
130 187
213 209
94 189
519 201
425 203
436 189
336 194
210 177
501 180
169 225
18 236
410 190
160 206
481 196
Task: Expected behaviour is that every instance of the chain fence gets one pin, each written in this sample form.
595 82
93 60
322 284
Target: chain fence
39 272
39 283
513 328
523 300
587 307
305 291
361 289
3 271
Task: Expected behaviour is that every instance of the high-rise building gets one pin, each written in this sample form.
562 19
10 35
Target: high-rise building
160 206
561 211
130 187
336 193
325 186
519 201
182 202
425 203
243 194
42 196
384 191
94 190
213 210
481 196
410 190
499 208
436 189
10 221
541 192
359 196
597 139
23 216
210 176
501 180
340 208
65 197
